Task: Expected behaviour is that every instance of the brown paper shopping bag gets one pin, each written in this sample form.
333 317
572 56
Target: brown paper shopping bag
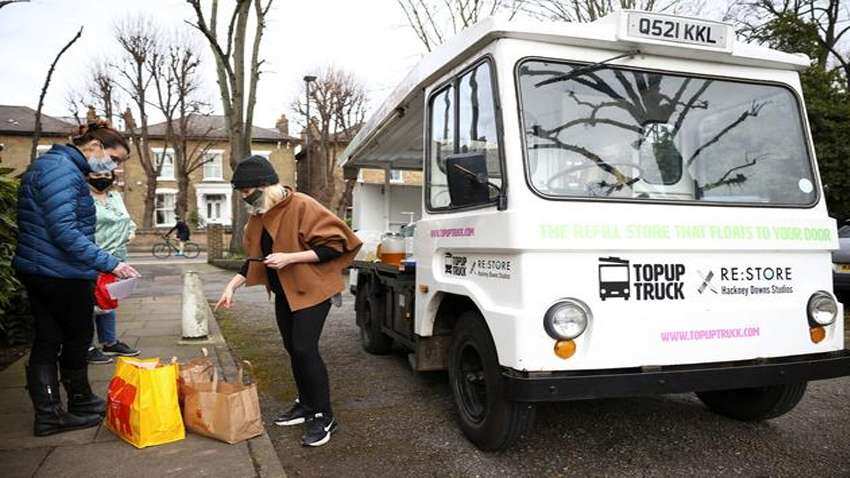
196 370
229 412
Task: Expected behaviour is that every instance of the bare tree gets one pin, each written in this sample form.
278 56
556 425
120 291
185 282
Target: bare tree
138 37
37 130
434 21
339 101
99 91
231 67
830 19
582 11
175 76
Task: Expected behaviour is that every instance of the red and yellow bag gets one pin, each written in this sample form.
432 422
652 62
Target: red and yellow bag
142 403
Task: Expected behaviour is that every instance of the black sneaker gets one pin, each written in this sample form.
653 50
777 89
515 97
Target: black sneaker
294 416
319 430
95 356
120 348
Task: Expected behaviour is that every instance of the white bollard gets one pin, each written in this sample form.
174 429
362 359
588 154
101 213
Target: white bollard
196 310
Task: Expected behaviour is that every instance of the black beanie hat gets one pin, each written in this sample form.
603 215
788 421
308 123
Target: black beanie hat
254 172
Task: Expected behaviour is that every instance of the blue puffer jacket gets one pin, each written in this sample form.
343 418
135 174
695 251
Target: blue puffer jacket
56 219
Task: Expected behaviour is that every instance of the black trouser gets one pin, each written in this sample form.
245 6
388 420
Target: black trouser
300 331
63 310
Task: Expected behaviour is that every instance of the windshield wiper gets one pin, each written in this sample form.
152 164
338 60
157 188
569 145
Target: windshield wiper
478 178
581 70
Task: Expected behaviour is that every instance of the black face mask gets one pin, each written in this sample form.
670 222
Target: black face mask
101 184
254 197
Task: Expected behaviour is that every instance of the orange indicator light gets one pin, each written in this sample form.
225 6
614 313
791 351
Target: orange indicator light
817 334
565 348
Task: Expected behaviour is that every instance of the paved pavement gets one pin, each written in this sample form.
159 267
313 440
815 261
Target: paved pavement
151 322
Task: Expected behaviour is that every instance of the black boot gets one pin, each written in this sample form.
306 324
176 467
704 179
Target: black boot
50 417
81 400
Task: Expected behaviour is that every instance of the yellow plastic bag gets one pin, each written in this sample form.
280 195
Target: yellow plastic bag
142 403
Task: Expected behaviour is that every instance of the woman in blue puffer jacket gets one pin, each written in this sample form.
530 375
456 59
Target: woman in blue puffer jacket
58 261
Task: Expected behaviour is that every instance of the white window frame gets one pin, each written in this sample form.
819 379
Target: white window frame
266 154
164 151
396 176
204 189
219 158
170 192
222 212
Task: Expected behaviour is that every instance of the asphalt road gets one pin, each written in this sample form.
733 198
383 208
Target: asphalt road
395 422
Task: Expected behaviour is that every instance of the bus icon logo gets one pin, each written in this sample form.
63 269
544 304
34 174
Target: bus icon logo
613 278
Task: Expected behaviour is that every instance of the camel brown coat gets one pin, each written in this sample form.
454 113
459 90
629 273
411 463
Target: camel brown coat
300 223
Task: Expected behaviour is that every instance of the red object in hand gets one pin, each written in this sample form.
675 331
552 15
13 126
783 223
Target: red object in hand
101 295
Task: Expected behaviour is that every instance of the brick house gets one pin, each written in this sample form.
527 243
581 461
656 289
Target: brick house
17 124
209 196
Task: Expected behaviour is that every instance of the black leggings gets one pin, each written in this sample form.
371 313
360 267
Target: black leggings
63 310
300 331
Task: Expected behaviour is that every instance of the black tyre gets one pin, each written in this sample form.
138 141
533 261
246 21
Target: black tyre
191 250
370 312
753 404
487 418
161 250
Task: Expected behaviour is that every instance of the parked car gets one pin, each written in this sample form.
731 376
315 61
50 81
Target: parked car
841 265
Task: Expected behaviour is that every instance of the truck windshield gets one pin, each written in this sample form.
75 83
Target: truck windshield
631 134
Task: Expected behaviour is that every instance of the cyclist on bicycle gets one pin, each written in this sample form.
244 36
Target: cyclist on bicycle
182 234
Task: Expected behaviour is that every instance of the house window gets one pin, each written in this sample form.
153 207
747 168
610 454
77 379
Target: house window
214 205
395 176
164 215
166 159
213 166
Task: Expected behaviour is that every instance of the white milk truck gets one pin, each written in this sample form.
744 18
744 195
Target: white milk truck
626 207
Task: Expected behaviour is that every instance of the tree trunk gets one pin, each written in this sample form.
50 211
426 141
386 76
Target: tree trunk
239 216
182 205
345 199
150 205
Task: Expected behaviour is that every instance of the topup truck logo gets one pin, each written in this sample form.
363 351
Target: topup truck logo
619 278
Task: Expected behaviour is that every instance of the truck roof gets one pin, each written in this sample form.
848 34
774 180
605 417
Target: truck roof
403 107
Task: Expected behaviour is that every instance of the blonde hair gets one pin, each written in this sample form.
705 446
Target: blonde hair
272 196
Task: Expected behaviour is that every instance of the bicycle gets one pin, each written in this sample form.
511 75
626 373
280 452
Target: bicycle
162 250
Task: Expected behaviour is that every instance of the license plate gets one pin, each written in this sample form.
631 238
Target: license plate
843 267
678 30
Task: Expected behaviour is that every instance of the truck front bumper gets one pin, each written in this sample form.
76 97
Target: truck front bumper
585 384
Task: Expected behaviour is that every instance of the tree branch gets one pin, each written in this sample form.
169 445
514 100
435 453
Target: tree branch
37 130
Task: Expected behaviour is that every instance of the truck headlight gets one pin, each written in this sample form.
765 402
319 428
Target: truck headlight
822 308
567 319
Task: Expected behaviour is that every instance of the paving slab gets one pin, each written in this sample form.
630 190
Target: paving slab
16 433
152 331
194 456
22 463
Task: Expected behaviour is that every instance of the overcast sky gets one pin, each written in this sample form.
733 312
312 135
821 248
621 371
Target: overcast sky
369 38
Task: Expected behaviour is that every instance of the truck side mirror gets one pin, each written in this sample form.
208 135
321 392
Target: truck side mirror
468 181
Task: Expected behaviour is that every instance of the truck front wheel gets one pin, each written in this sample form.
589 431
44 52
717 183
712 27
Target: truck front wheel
487 418
753 404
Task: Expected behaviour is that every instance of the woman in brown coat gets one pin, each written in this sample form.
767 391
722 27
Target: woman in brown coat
297 249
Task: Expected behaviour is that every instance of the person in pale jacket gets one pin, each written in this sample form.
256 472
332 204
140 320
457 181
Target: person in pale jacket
114 229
